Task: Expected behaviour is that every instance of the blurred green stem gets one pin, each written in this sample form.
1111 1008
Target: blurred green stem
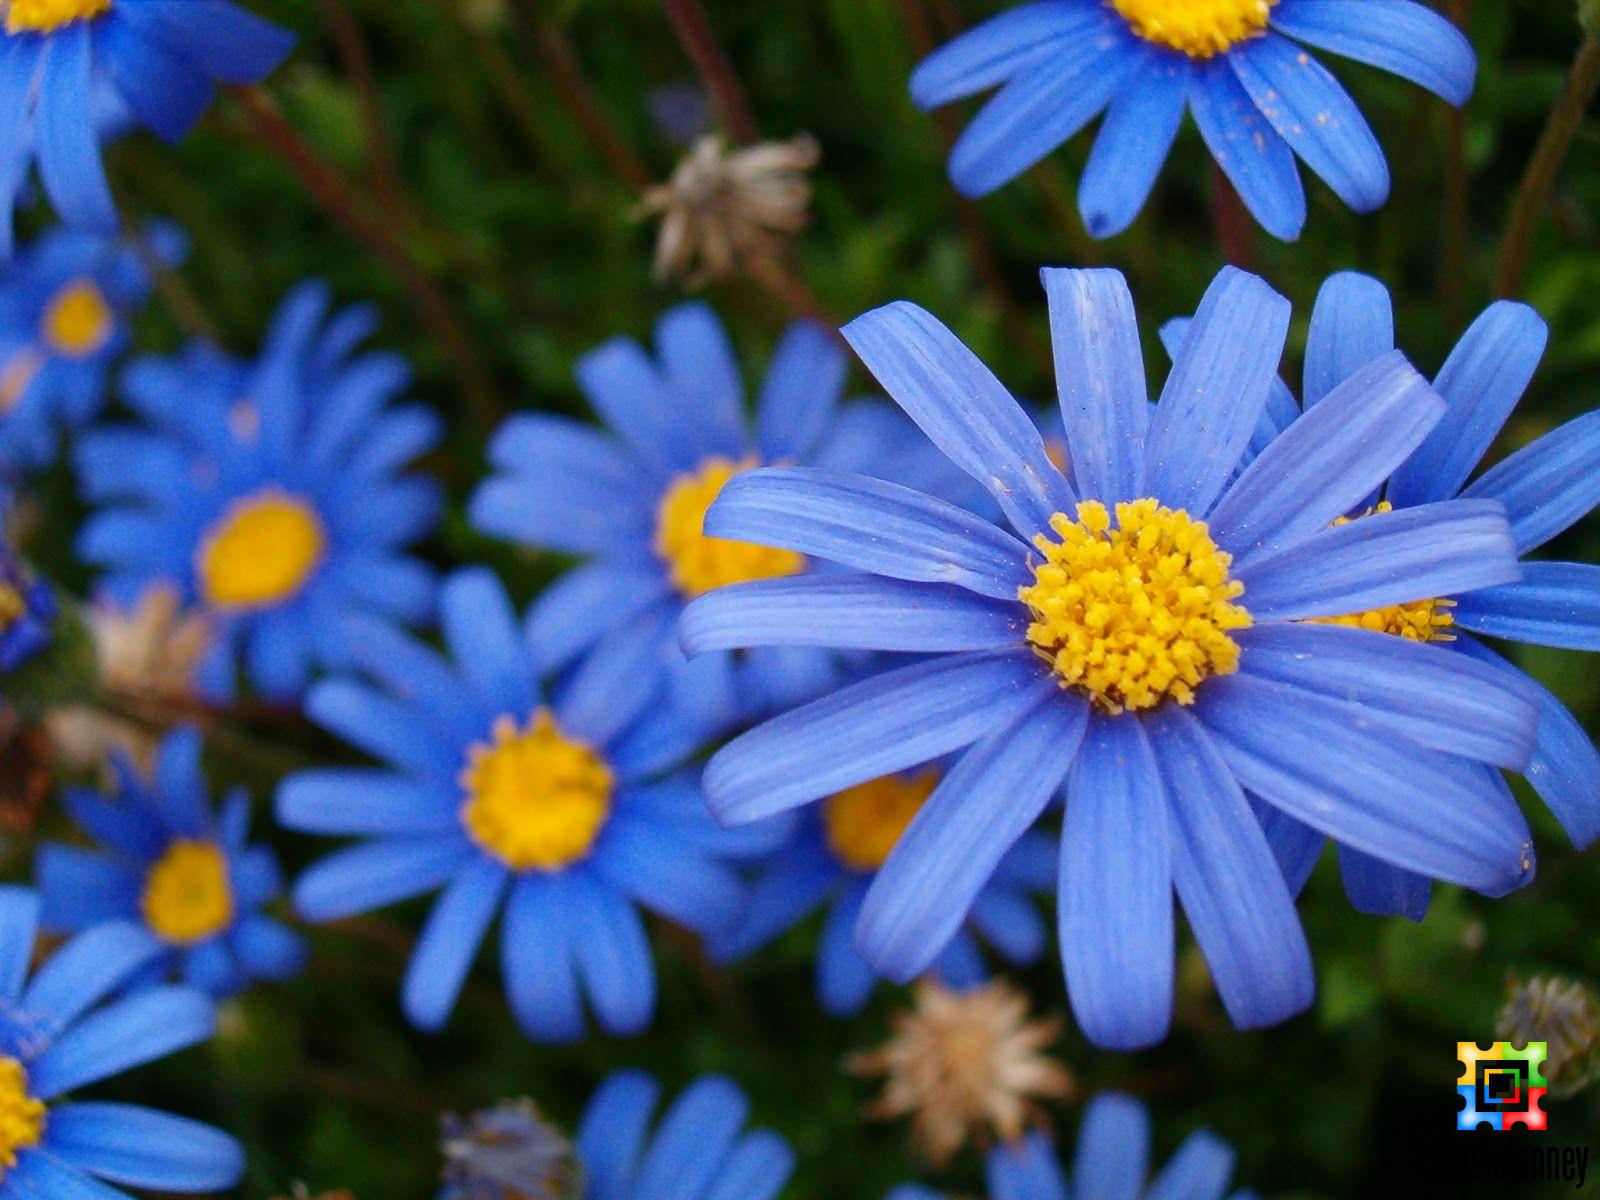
694 32
1539 181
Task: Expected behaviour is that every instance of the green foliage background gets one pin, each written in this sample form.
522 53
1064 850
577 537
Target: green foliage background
517 220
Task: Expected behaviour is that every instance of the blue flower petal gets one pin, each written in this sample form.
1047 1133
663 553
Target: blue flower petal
267 948
613 1130
1352 324
991 53
757 1169
1132 144
68 148
485 642
613 956
585 604
165 90
617 681
1113 1149
138 1147
1200 1170
449 942
800 395
361 878
628 392
844 980
1398 36
1548 486
1010 922
142 1028
1556 604
537 960
232 44
1380 890
1294 844
81 887
701 370
692 889
349 801
179 792
19 925
1255 159
693 1141
1025 1169
384 727
42 1174
86 970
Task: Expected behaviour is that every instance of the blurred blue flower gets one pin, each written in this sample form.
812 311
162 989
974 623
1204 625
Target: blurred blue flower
270 494
830 862
1545 488
697 1151
66 303
161 59
1259 99
563 806
165 860
1157 662
75 1023
27 611
680 432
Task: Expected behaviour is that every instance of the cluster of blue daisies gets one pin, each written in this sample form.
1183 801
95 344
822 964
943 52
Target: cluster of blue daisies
951 656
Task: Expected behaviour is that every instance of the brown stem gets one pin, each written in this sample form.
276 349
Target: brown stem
722 81
345 206
1539 181
789 289
173 292
1231 223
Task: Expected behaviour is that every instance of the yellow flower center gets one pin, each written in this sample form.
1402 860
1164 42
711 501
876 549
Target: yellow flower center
187 896
21 1116
1198 28
261 552
1138 614
698 563
1420 620
864 823
46 16
78 322
536 798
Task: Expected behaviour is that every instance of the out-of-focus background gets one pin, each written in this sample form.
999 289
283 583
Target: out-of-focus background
457 117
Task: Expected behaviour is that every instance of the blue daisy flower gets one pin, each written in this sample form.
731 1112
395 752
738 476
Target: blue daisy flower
698 1150
1545 488
1143 641
1258 97
269 494
66 303
166 861
28 611
161 58
678 433
830 862
564 807
72 1024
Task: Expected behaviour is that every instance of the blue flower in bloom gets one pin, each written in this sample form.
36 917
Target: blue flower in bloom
66 302
1545 487
1147 638
830 861
160 58
680 433
698 1150
1259 99
27 611
269 494
61 1031
169 863
562 806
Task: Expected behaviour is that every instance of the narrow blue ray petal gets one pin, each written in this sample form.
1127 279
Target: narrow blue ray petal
1115 907
19 925
1255 159
1316 116
142 1028
613 957
1026 1169
1556 604
1113 1152
964 410
449 942
700 368
40 1174
1216 391
167 91
1010 922
895 720
536 958
83 887
990 798
361 878
1328 461
534 444
862 612
1425 692
613 1130
629 394
693 1141
141 1148
419 675
179 794
1548 486
68 147
756 1170
844 980
1398 36
1237 902
1133 143
617 681
1409 806
690 888
871 526
1387 558
1200 1170
1481 382
800 394
86 970
1105 405
1380 890
789 892
991 53
485 642
550 512
577 610
267 948
1352 323
233 44
385 728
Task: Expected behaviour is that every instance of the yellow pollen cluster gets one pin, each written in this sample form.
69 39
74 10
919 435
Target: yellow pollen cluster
46 16
1138 614
13 606
536 798
260 552
1198 28
187 896
21 1116
78 321
1420 620
699 564
864 823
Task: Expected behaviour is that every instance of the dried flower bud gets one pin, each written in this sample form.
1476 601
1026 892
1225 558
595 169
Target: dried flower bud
1565 1016
508 1152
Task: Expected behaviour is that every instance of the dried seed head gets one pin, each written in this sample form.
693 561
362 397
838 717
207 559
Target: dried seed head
1565 1016
507 1152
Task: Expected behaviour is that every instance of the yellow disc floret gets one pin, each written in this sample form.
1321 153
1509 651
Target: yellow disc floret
1198 28
1136 614
864 823
536 798
698 563
1419 621
260 552
187 895
21 1116
46 16
78 321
